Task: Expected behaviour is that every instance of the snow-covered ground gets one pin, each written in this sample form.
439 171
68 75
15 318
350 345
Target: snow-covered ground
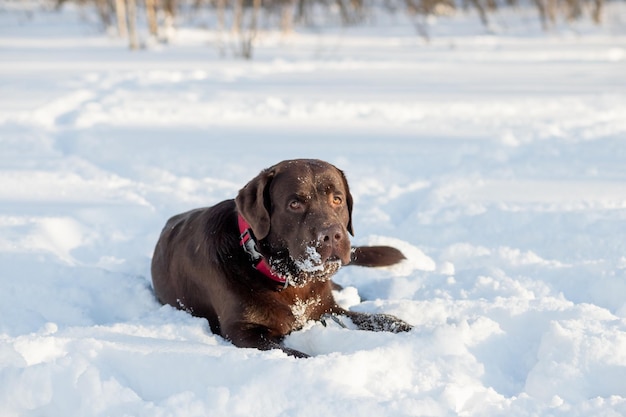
496 162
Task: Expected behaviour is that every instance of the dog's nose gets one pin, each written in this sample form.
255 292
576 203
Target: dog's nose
331 235
334 243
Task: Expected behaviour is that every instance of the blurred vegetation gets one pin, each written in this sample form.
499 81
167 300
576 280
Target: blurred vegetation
243 19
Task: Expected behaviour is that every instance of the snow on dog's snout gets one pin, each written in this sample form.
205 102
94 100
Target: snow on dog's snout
311 261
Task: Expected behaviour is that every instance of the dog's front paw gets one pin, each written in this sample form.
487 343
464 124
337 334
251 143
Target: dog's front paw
398 326
379 322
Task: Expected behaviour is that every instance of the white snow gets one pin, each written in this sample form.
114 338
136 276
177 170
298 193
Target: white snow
495 162
311 262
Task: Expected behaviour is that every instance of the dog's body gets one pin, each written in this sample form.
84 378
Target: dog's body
260 266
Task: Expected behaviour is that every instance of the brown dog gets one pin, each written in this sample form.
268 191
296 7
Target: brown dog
260 266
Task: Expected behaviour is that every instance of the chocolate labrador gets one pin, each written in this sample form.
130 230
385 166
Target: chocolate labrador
260 266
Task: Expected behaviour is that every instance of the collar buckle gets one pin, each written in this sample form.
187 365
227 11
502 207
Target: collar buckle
248 243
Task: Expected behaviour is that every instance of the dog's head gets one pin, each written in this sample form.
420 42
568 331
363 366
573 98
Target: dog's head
301 213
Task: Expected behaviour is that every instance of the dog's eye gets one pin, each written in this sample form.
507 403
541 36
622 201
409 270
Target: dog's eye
337 201
295 205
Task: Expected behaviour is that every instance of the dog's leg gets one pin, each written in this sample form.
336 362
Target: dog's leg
257 337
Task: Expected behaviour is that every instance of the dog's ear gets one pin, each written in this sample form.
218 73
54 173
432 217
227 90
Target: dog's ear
253 203
348 201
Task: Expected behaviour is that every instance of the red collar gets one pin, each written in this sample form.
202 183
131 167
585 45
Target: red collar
248 243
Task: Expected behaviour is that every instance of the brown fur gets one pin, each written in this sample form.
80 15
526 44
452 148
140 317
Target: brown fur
300 212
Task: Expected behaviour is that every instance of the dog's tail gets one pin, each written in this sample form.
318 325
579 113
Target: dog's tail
373 256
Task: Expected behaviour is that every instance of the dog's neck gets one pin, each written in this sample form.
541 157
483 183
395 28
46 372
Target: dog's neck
249 245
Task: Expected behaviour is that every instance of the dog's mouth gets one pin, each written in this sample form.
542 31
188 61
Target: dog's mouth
310 267
311 261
